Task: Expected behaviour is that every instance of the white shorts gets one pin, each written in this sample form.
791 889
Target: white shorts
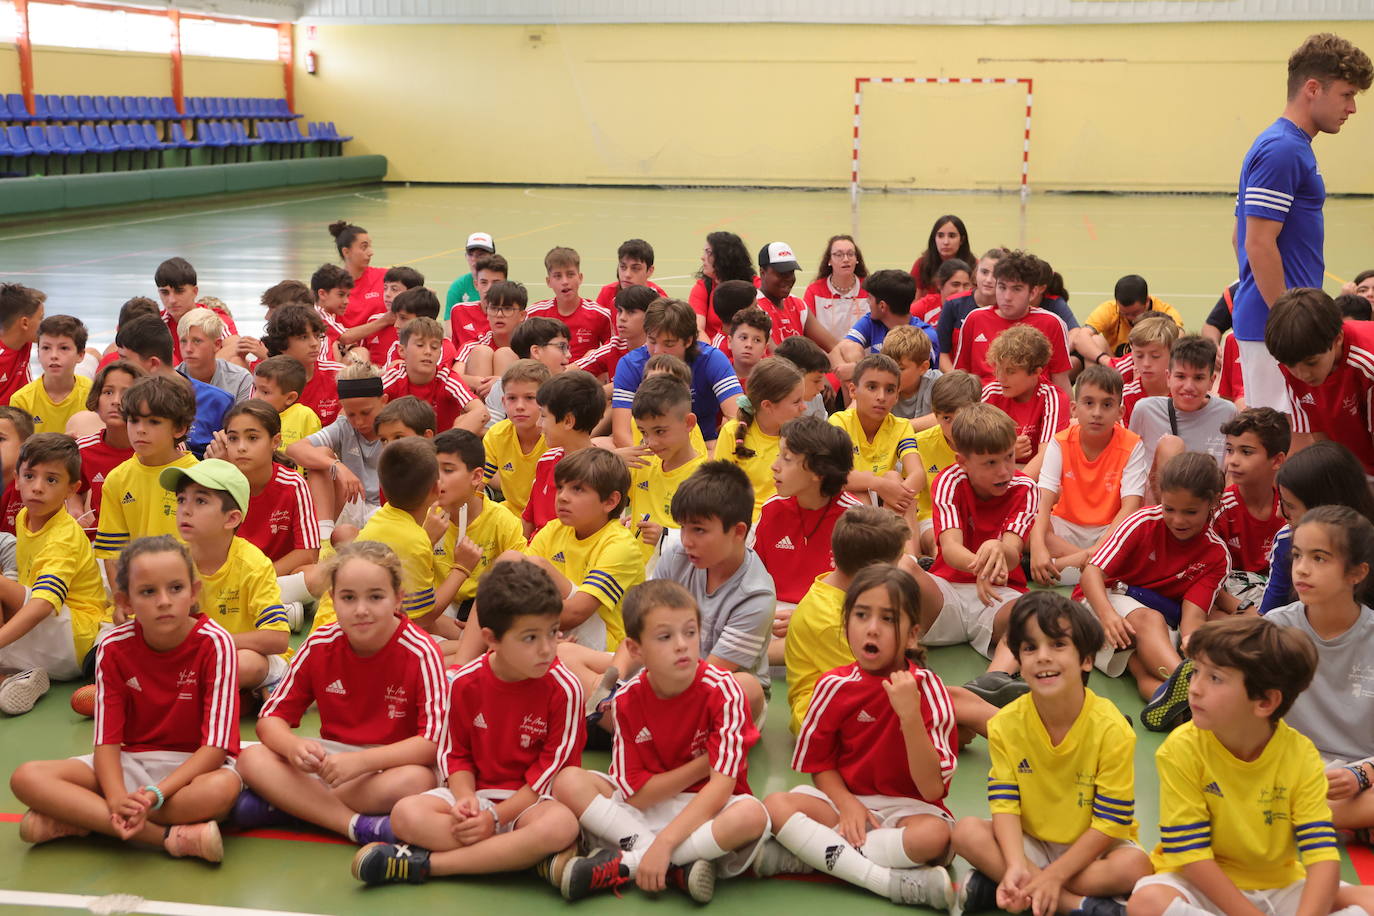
590 632
48 646
1264 385
963 616
486 800
1041 853
1274 901
890 810
148 768
277 666
1081 536
1110 661
925 526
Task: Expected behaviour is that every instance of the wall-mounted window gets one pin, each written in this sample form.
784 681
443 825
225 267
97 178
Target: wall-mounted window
243 40
107 30
9 22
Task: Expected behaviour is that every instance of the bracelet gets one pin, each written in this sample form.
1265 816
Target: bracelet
334 470
1359 776
1099 358
495 819
162 798
467 572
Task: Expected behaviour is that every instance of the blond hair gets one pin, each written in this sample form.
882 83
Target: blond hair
1020 347
907 343
1155 329
203 320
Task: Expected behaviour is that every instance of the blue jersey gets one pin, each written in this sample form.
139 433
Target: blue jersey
1279 181
713 380
870 335
211 405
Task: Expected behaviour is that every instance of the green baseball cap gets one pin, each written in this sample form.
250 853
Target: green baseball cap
213 474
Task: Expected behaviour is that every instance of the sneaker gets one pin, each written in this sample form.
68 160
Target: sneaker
551 869
997 687
605 689
295 615
776 859
1100 906
36 827
371 828
19 692
585 875
925 563
199 840
391 863
252 811
978 893
924 885
697 879
1169 708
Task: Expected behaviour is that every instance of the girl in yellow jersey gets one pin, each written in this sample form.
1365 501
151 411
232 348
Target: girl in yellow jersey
775 395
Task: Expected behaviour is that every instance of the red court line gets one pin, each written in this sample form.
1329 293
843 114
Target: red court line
1362 857
11 818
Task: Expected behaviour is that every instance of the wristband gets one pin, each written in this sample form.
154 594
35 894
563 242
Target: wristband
162 798
1360 777
334 470
495 819
467 572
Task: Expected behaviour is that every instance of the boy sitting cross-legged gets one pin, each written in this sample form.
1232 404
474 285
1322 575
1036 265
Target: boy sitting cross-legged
514 721
1042 850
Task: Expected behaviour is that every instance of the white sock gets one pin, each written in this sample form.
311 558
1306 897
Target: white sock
326 529
616 823
884 846
700 845
826 851
353 822
293 588
1351 911
1180 907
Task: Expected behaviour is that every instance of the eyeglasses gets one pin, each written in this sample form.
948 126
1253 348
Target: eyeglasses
503 309
559 345
844 256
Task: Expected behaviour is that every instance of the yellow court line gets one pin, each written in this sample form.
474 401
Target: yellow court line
504 238
1334 277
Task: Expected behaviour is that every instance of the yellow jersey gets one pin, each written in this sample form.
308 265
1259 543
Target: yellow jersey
495 529
1086 781
243 595
297 422
1115 330
56 563
420 568
698 443
604 565
135 505
816 643
1262 821
936 455
49 417
885 451
760 467
514 465
652 489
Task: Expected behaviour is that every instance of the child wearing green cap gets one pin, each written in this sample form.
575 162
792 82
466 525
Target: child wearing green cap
239 588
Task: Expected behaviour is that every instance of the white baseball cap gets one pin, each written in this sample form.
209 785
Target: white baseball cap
779 256
480 240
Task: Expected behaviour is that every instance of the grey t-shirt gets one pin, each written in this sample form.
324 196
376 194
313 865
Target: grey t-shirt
356 453
496 404
235 380
1200 430
736 619
918 405
1337 711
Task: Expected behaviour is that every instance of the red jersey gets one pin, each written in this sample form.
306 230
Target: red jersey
1038 419
1125 366
321 392
982 326
1131 393
281 518
511 734
1248 539
10 504
722 343
589 326
928 308
14 369
794 543
1230 385
180 700
954 505
851 727
333 330
98 459
379 345
789 318
446 393
230 329
447 353
539 511
1143 552
468 321
366 299
1340 407
656 734
604 359
394 694
606 298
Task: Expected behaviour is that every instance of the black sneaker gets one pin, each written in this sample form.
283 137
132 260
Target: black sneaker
1099 906
696 879
391 863
978 893
600 870
997 687
1169 709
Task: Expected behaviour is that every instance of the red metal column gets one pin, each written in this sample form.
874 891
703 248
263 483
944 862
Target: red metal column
178 72
21 41
286 53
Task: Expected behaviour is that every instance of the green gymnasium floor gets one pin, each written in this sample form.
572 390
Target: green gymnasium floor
89 266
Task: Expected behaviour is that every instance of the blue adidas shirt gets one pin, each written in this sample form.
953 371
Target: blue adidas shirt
211 405
713 380
1279 181
870 335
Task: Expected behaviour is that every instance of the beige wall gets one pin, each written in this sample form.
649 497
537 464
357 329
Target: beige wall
1131 107
219 76
75 71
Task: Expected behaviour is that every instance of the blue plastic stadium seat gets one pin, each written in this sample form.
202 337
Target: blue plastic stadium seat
240 136
154 141
213 135
19 141
37 140
18 111
169 107
60 142
40 108
92 141
86 107
104 134
195 106
102 108
138 109
125 139
215 106
71 105
5 112
179 139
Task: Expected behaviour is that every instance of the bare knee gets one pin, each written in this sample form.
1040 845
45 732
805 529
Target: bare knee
411 812
780 807
970 833
413 779
28 776
748 817
1150 901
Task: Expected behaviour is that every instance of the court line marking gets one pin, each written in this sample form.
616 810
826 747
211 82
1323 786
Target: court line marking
131 903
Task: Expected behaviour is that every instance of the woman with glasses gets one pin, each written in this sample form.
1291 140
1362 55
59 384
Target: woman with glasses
836 297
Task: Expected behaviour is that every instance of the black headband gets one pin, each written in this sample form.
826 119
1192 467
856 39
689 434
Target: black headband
360 387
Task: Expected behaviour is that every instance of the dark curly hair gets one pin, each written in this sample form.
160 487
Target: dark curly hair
287 322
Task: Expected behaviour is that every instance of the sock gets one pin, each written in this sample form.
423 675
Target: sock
700 845
826 851
293 588
1180 907
1351 911
884 846
326 529
352 824
613 822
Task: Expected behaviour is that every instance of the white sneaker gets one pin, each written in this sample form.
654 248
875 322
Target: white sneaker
776 859
19 692
295 615
923 886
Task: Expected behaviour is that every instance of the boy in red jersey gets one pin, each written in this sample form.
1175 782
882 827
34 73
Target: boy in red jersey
514 721
299 333
1328 366
777 276
331 286
422 376
634 266
1257 441
378 682
1018 357
1152 341
681 725
630 305
505 305
166 722
589 324
1019 278
175 279
468 320
409 304
106 450
571 405
21 312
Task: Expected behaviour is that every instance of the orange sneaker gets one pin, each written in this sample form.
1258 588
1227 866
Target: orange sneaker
36 827
202 841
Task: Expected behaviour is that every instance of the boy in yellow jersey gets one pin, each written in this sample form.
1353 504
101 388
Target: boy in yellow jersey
158 412
52 398
668 364
50 616
949 394
1244 824
1062 783
515 444
887 464
239 588
816 641
279 380
663 416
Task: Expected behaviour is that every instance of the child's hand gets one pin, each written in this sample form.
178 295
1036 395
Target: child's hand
635 456
1042 893
475 828
485 384
436 523
1010 894
894 494
781 618
1120 633
129 812
1341 784
218 446
653 868
307 756
904 696
350 484
650 533
1024 449
855 820
1043 568
251 346
337 769
467 552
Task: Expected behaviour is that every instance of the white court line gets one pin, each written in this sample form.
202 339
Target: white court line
129 903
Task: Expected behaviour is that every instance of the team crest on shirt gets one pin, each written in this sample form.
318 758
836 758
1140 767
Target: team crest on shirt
187 680
699 743
279 520
395 701
1348 405
1193 570
643 485
533 729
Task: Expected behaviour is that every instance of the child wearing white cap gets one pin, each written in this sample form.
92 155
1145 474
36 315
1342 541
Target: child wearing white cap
464 289
791 318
